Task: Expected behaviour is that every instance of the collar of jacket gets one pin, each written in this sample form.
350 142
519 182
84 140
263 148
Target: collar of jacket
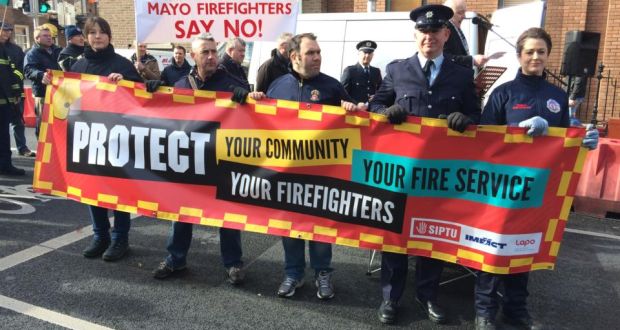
533 81
93 55
144 59
174 63
194 73
72 49
299 78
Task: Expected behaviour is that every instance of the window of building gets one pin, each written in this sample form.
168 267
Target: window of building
510 3
21 35
403 5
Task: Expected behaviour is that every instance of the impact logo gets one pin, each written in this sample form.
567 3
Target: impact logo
485 241
430 229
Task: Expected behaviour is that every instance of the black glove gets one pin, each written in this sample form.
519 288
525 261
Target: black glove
458 122
239 95
152 85
396 114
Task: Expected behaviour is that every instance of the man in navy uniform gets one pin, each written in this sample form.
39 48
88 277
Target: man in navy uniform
425 85
362 80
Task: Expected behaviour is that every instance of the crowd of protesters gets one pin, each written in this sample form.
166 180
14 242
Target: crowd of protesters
441 73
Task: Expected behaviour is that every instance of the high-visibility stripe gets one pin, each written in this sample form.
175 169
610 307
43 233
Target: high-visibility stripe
19 74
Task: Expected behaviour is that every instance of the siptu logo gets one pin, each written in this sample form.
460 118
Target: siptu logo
435 230
421 228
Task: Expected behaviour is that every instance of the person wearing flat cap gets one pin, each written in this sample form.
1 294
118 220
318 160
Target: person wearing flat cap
75 47
423 85
362 80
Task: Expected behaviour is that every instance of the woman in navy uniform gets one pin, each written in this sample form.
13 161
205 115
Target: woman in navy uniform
361 80
528 101
448 92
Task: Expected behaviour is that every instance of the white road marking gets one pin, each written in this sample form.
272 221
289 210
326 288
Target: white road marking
37 251
17 196
47 315
591 233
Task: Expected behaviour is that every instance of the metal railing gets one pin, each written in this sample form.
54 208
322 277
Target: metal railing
607 95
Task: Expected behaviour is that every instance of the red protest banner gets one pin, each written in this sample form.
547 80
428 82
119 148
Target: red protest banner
491 198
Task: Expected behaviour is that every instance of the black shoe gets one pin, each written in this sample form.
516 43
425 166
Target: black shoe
96 248
164 271
387 312
27 153
434 312
484 323
12 170
524 322
116 250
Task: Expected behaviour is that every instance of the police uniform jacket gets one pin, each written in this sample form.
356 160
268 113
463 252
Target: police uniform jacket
37 61
454 48
360 85
105 62
227 63
526 97
173 72
270 70
220 81
321 89
405 84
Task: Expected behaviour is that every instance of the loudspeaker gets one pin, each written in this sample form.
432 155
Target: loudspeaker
580 52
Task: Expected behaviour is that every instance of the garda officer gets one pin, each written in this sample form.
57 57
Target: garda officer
10 94
362 80
425 85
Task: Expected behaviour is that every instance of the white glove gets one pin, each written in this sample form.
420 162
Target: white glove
538 126
590 141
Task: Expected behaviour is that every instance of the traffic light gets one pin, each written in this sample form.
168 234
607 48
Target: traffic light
44 7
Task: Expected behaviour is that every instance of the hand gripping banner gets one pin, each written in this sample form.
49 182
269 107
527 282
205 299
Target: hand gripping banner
491 198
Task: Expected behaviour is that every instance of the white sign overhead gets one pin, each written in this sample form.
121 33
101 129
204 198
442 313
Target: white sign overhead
159 21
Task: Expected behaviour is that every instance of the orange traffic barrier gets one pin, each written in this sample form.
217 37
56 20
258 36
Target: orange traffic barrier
30 117
598 191
613 128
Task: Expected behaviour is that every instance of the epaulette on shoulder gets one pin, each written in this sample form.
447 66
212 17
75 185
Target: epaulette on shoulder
397 61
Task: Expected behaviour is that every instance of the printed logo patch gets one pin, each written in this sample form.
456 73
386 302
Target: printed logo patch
314 95
553 106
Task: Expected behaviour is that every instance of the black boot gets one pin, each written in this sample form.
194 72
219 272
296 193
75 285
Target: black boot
96 248
117 250
387 312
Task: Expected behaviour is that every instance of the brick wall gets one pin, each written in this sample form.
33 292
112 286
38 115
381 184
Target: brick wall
314 6
120 15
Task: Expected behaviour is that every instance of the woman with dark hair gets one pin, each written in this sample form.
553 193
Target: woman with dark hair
528 101
100 59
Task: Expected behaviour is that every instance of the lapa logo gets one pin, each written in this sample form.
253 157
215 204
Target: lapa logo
432 229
